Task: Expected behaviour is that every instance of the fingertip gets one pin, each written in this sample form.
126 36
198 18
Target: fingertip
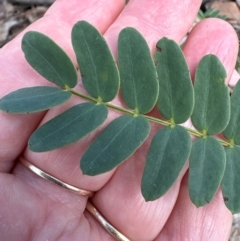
212 36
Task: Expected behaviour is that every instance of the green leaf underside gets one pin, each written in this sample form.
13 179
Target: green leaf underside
168 153
68 127
49 60
231 180
33 99
176 96
116 143
139 84
212 102
207 164
232 130
98 69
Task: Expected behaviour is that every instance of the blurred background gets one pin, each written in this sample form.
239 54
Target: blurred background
15 15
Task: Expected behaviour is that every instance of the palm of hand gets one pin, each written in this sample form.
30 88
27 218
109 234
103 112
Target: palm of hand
34 209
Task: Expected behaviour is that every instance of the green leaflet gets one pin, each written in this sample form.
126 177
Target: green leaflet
33 99
168 153
231 180
98 69
232 130
68 127
176 96
207 165
139 85
116 143
49 60
212 102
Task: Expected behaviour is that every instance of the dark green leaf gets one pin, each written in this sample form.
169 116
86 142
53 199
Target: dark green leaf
232 131
68 127
98 69
49 60
207 165
168 153
212 102
176 97
200 14
139 85
231 180
117 142
33 99
214 13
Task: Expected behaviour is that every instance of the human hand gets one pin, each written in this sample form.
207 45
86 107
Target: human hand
33 208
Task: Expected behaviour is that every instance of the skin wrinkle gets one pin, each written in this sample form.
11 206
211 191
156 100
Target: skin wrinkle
209 224
146 215
188 213
73 215
69 227
23 202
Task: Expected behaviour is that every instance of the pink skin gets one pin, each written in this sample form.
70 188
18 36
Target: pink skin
34 209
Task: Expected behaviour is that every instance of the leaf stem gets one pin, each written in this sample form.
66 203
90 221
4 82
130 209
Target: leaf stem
85 97
150 118
156 120
120 108
224 143
194 132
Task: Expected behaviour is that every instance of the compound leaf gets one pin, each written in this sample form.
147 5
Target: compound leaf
176 96
68 127
116 143
168 153
231 180
139 84
207 165
49 60
232 130
211 113
33 99
98 69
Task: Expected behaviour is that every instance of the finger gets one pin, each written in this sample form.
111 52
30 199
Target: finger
187 221
16 73
202 42
211 222
234 79
172 20
33 208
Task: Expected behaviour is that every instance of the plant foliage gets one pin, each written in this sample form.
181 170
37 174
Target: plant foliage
210 13
49 60
34 99
206 169
144 81
98 70
139 84
176 97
